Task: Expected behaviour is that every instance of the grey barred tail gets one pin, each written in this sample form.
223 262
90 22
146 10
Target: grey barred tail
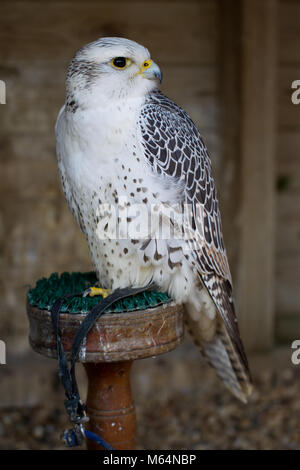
221 354
226 351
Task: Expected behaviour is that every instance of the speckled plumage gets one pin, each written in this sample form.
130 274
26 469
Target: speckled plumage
122 143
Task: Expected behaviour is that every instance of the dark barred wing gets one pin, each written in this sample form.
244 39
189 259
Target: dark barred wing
174 147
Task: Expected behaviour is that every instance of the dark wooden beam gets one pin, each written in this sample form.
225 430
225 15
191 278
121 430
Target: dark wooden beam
258 135
229 90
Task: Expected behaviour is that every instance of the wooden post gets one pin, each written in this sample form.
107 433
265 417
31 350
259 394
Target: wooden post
110 347
110 404
258 129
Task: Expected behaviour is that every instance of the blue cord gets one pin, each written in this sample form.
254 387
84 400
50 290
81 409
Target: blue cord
101 442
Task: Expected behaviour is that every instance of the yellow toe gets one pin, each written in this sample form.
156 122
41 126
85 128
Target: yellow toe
98 291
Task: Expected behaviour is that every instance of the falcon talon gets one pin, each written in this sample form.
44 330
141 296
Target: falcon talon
86 292
93 291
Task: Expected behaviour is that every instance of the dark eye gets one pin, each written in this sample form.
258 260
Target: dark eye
119 62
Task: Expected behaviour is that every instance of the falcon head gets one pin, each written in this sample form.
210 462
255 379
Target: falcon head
111 68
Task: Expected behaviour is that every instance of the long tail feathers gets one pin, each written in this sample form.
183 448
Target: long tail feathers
226 351
221 354
222 345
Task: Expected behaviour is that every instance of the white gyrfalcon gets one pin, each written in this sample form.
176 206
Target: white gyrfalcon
137 177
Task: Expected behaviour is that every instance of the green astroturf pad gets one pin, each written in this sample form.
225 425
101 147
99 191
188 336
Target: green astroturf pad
46 291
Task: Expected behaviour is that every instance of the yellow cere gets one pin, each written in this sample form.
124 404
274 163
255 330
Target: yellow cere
146 65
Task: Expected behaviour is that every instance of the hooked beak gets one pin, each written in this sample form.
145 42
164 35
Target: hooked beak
151 70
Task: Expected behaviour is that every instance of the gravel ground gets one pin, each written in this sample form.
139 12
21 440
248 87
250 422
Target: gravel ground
182 405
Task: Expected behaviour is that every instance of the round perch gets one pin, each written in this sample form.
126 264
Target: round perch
114 342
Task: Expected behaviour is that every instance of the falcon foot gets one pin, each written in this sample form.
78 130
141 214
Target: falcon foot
92 291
